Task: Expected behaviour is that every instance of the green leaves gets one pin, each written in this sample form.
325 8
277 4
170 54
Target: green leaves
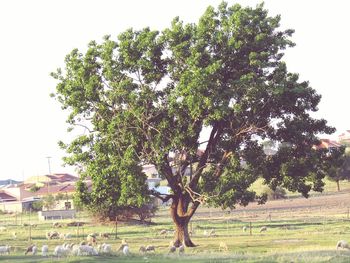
149 96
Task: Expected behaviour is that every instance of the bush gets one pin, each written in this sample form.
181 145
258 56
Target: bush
278 193
37 205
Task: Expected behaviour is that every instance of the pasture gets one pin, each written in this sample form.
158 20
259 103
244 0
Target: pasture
298 230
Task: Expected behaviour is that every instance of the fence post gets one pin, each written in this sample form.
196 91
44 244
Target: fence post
116 228
250 228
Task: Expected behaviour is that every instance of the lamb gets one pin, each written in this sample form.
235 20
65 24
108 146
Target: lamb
263 229
5 250
342 244
31 249
45 250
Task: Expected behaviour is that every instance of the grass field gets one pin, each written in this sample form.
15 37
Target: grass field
298 230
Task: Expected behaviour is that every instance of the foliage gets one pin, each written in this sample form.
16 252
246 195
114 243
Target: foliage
60 196
339 165
150 96
34 188
38 205
49 201
278 193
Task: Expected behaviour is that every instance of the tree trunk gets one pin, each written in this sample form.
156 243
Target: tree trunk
338 186
181 219
182 236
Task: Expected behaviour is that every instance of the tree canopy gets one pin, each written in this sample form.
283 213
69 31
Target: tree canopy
220 85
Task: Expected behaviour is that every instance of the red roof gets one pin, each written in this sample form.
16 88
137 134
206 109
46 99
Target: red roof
6 197
55 189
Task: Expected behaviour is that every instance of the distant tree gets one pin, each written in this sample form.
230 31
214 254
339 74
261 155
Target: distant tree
37 205
49 202
149 98
339 165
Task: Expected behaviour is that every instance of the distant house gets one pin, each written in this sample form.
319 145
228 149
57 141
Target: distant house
327 144
51 179
344 138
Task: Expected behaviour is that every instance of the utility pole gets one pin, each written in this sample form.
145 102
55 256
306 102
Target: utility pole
48 182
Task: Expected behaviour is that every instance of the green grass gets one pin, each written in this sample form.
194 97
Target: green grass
294 235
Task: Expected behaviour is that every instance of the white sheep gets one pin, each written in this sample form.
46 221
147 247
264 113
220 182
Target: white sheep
52 234
62 250
126 250
343 244
104 248
14 235
3 228
244 228
5 249
263 229
85 250
34 250
45 250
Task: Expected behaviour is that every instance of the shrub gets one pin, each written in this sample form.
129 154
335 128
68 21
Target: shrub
278 193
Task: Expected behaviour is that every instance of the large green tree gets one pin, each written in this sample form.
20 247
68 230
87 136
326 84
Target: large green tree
155 97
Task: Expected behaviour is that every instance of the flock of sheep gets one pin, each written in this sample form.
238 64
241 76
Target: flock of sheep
90 247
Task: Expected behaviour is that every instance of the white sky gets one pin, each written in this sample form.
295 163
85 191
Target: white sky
36 35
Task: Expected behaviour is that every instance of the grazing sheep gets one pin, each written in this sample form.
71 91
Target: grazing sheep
31 249
5 250
56 224
3 228
223 246
343 244
104 235
62 250
85 250
123 244
172 248
45 250
244 228
126 250
91 238
34 250
163 233
181 249
142 249
150 248
263 229
52 234
104 248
